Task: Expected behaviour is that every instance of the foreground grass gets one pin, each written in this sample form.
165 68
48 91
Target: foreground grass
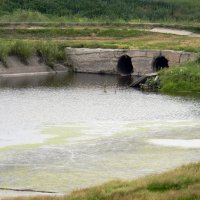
180 184
182 79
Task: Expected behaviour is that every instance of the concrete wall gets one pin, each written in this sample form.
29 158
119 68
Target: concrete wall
106 60
34 65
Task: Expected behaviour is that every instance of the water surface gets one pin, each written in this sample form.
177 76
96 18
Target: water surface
65 132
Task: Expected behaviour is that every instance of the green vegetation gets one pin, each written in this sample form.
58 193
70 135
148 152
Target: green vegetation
22 50
182 79
180 184
49 52
70 32
101 10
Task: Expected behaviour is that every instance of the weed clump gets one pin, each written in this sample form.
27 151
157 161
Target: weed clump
4 52
184 78
23 50
50 53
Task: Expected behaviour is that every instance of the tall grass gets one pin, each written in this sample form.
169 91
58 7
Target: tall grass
49 52
184 78
22 50
4 52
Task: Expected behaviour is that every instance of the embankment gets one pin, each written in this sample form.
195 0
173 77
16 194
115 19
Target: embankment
33 65
98 61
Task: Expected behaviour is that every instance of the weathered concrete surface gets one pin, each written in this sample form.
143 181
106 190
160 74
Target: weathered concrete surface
106 60
34 65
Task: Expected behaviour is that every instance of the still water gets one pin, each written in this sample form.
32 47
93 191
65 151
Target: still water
64 132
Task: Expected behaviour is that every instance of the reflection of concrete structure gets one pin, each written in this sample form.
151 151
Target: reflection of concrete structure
114 61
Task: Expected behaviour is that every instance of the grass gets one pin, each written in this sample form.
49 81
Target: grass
125 36
49 52
71 32
182 79
180 184
22 50
133 24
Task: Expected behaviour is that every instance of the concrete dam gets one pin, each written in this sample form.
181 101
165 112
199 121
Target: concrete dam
99 61
124 61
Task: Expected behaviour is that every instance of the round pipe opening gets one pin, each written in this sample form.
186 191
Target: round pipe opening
124 66
160 63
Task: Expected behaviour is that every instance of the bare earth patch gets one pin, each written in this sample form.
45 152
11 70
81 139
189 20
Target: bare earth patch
174 32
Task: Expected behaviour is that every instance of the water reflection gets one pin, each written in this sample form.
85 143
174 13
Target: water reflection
50 80
65 80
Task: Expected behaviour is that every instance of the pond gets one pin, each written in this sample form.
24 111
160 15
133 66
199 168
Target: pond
59 133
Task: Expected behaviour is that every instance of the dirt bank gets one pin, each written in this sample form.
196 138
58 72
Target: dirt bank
34 65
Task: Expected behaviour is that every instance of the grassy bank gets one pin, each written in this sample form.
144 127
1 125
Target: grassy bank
181 79
180 184
49 52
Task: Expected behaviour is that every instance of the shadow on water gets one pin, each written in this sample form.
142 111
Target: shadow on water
65 80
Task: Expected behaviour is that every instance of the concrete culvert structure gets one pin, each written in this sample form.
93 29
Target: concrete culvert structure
160 63
124 66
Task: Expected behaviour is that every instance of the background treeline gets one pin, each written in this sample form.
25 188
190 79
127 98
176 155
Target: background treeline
149 10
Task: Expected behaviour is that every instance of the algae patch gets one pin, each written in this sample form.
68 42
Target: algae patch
62 134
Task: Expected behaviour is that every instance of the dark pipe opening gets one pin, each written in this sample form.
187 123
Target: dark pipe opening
160 63
125 66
